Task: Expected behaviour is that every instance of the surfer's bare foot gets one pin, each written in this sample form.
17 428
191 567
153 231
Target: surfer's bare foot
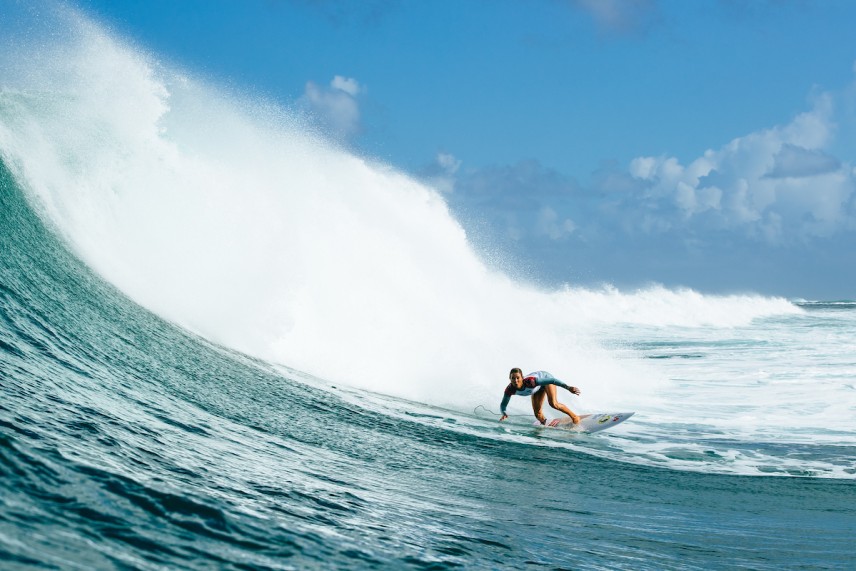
542 419
575 418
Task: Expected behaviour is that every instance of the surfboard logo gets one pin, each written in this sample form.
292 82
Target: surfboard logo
603 418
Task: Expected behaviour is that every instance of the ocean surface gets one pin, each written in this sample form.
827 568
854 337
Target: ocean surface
226 343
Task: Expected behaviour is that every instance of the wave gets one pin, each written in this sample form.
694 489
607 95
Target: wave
151 447
226 215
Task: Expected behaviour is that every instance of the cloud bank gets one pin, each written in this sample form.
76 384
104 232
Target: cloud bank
773 196
778 185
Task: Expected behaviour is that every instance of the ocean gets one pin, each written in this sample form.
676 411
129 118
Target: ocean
227 343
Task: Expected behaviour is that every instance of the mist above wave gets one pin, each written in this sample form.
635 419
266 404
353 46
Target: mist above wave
229 216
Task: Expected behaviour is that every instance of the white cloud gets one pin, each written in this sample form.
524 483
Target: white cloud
336 106
448 162
550 224
441 173
347 84
779 184
620 16
793 161
643 167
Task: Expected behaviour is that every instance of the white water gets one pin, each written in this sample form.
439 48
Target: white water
229 217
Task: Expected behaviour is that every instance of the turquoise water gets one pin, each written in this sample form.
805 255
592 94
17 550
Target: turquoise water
127 443
228 344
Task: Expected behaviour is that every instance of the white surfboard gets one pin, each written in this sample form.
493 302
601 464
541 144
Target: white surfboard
588 422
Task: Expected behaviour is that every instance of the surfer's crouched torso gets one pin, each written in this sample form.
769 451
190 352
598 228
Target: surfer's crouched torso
532 383
530 386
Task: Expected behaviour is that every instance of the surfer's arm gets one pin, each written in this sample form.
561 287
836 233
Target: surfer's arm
554 381
505 398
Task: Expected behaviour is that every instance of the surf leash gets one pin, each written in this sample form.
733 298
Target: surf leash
487 410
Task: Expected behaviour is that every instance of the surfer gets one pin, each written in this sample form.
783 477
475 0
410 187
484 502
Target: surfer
537 385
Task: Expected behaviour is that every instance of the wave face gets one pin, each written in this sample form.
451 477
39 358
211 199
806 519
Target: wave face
185 274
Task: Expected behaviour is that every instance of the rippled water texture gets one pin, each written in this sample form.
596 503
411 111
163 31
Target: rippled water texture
242 348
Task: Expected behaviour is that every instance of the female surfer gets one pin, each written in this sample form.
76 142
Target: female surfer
537 384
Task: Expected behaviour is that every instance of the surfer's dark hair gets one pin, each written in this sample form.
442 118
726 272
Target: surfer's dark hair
515 370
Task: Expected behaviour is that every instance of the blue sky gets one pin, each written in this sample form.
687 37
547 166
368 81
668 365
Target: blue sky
708 144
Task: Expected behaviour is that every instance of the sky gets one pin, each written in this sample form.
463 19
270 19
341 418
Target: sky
707 144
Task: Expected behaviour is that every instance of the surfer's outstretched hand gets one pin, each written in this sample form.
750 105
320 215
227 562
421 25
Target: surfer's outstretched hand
503 417
574 390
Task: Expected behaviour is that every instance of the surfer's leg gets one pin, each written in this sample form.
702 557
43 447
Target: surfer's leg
537 403
554 402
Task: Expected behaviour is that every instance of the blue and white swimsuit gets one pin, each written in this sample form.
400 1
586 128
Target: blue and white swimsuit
532 383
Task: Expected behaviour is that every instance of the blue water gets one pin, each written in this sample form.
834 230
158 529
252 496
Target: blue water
159 412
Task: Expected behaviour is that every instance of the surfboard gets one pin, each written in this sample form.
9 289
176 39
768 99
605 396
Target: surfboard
588 422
